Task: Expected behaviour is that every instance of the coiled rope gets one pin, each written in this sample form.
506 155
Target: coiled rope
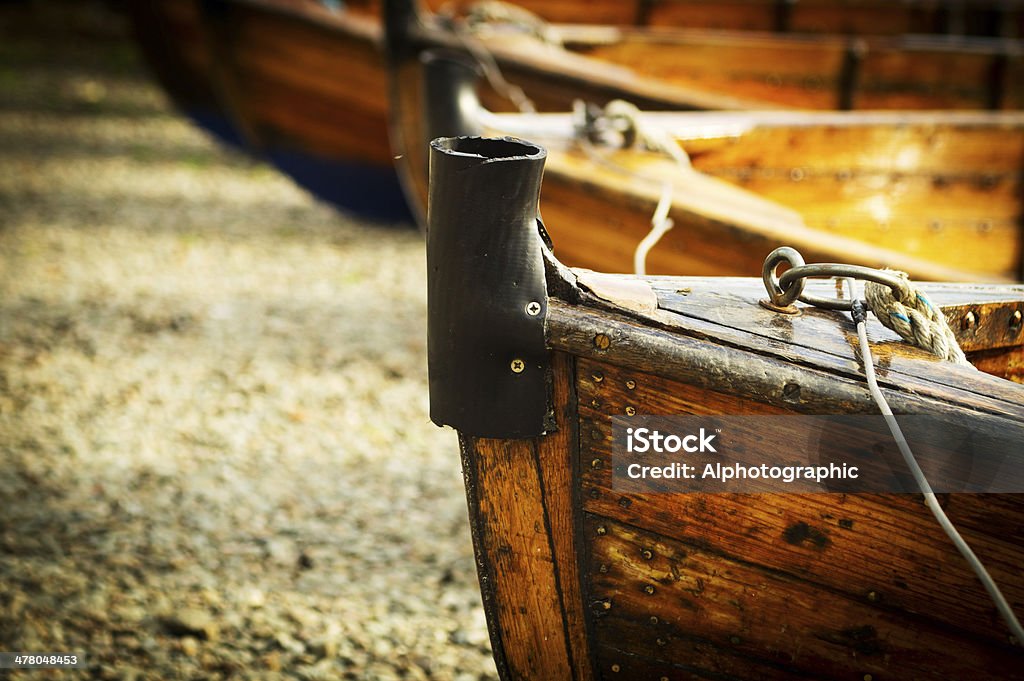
916 319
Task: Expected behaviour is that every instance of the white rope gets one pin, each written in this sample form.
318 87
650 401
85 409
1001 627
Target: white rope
917 320
660 224
860 317
624 118
621 119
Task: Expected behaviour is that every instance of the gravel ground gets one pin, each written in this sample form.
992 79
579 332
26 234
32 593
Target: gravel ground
215 457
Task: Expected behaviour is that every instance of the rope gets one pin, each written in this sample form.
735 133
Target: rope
492 12
915 319
619 124
623 118
660 223
930 500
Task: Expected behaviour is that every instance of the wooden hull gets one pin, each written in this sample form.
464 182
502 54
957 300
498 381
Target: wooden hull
173 41
264 72
584 581
306 87
935 196
670 68
848 17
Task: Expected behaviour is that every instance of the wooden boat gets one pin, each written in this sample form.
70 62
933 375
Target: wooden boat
290 81
531 363
877 17
701 69
937 195
306 86
171 37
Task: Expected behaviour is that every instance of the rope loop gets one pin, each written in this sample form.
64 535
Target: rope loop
915 318
620 124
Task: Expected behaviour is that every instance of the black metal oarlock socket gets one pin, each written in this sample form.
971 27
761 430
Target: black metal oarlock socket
486 288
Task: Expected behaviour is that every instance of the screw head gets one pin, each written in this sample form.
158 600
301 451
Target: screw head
970 320
518 366
630 411
601 531
631 384
1016 318
598 377
533 308
602 341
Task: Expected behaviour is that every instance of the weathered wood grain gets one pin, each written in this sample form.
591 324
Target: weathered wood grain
760 370
772 622
880 558
524 509
301 78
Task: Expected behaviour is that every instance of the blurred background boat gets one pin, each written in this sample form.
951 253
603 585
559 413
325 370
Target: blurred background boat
303 83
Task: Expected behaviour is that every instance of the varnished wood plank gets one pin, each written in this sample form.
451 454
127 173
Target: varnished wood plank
850 543
814 330
760 371
556 462
515 558
699 596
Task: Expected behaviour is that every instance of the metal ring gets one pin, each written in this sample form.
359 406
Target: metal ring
898 285
782 294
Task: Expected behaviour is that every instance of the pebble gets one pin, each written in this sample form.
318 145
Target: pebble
218 461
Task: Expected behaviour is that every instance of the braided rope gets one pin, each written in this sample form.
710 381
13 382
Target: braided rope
916 319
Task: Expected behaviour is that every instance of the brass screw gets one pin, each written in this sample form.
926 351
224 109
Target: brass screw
596 463
630 411
654 620
603 569
518 366
598 377
661 642
1015 319
601 531
615 668
970 320
649 590
647 554
602 341
533 308
631 384
873 596
595 403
